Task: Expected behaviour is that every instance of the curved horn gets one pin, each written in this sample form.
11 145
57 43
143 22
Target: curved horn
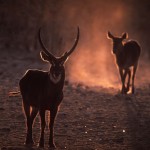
44 48
74 46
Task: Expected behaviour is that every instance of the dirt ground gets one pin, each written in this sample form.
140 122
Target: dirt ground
89 118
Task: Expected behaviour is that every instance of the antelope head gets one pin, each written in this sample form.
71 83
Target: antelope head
117 41
57 63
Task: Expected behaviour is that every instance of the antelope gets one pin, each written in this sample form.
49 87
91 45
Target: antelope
127 55
43 91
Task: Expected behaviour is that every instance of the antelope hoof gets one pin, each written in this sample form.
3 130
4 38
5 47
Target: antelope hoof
52 146
29 143
127 90
124 91
132 91
41 144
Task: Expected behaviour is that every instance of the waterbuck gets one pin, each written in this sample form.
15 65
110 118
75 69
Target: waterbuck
127 56
43 91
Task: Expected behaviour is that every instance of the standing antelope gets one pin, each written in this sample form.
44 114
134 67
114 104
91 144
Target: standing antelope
127 55
43 91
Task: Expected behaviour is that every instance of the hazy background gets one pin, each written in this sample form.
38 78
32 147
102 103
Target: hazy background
92 63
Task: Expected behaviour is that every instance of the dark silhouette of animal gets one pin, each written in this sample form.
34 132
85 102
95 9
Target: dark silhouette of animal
127 56
43 90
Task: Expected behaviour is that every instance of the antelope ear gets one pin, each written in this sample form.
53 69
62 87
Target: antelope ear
124 36
44 56
109 35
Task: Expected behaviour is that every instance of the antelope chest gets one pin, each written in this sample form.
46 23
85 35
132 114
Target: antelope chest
51 101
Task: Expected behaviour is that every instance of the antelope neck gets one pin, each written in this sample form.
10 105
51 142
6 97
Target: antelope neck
119 51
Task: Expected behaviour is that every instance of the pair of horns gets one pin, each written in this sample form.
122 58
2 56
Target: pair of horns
66 54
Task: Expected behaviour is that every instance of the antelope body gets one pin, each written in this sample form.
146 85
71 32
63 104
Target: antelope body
127 56
43 91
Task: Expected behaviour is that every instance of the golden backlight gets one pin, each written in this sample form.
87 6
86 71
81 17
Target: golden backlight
93 63
94 67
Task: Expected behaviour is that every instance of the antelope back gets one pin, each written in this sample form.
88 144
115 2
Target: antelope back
127 53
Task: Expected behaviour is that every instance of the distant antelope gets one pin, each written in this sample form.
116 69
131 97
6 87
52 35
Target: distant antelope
43 91
127 55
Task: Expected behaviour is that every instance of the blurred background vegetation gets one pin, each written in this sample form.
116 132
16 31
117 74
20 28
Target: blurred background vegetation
20 21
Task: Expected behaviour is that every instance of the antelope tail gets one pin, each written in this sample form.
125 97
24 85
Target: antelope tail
16 93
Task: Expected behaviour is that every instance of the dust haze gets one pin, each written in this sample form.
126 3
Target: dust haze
92 63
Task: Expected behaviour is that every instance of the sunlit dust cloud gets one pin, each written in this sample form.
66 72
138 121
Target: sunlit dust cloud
95 68
93 63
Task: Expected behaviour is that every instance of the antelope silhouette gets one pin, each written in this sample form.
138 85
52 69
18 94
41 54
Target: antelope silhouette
43 90
127 56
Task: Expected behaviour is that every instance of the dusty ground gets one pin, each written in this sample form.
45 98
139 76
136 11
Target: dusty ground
88 119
